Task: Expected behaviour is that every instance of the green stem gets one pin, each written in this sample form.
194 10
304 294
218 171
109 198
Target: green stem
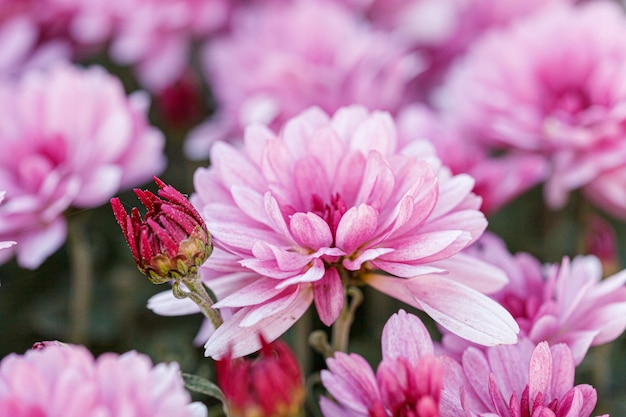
341 327
198 294
81 272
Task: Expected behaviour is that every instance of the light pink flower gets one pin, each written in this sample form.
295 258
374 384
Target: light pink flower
56 380
331 202
443 30
518 381
497 180
23 44
155 36
510 94
283 57
71 138
559 303
408 380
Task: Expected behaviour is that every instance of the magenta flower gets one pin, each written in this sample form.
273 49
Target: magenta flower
270 385
303 53
332 202
171 241
71 138
509 94
559 303
56 380
408 380
519 381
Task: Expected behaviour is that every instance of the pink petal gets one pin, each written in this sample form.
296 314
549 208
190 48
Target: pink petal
405 336
310 231
234 168
351 381
328 296
367 255
310 179
258 292
356 227
250 202
377 132
35 246
245 340
271 307
476 370
464 311
377 182
473 272
428 246
562 371
540 372
314 273
165 304
405 270
275 215
451 193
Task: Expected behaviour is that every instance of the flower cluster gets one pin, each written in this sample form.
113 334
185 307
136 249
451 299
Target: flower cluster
57 380
71 138
443 177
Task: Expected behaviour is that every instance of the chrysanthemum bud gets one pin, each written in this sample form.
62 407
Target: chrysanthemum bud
171 241
270 385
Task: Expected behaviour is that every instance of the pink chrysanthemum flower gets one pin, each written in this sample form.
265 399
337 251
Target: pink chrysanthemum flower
28 36
331 202
56 380
283 57
155 36
497 180
510 94
71 138
442 30
559 303
518 381
408 380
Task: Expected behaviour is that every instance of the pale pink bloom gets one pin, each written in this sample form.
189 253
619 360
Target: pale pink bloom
510 93
22 42
57 380
442 30
334 200
407 382
518 381
498 180
559 303
155 36
281 58
71 138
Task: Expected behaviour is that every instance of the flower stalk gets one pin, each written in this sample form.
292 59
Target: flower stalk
196 292
341 327
81 272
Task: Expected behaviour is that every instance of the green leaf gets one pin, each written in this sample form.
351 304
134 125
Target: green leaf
201 385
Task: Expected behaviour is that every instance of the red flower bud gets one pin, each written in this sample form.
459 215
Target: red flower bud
172 240
270 385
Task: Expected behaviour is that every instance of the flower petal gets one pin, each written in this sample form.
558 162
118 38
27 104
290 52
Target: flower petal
328 296
464 311
356 227
245 340
310 231
405 336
